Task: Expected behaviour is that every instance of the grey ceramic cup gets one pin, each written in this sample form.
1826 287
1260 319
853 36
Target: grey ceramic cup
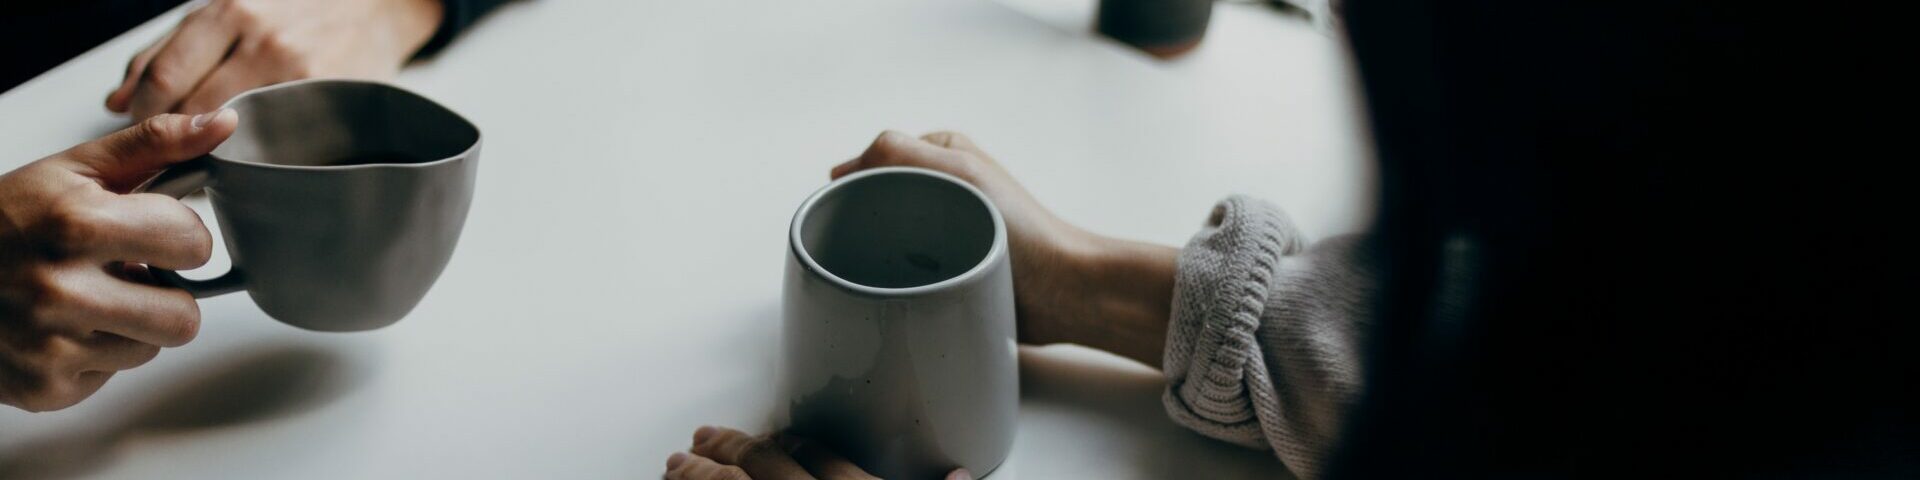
899 325
340 200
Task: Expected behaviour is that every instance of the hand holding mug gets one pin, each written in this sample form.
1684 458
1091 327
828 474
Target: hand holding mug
1072 286
76 304
340 201
1044 247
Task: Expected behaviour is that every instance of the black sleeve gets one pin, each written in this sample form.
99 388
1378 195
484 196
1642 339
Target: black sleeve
458 15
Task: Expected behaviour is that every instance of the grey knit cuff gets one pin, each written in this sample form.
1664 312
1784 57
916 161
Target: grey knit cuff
1220 288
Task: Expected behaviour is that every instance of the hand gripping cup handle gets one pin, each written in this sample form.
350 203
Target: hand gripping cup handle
177 182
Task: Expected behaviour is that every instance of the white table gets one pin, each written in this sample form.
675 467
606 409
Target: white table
617 282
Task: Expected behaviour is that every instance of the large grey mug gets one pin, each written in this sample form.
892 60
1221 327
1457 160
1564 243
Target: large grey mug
340 200
899 317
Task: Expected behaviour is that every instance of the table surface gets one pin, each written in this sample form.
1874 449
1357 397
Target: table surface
617 283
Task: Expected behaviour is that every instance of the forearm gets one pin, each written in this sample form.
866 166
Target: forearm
1101 292
1128 298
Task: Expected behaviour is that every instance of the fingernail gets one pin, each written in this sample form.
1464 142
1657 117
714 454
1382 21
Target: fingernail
202 119
674 460
701 435
961 474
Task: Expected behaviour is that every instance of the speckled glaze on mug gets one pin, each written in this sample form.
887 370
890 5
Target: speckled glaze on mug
340 200
899 325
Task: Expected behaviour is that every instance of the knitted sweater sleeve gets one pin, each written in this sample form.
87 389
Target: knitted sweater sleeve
1263 349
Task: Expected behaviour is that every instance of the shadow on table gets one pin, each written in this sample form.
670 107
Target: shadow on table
249 387
1124 398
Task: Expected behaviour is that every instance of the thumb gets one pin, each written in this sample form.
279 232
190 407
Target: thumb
128 156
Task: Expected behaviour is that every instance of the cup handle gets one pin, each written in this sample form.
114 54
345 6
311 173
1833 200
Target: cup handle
178 181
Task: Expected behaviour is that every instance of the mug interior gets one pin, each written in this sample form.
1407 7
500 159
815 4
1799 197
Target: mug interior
339 123
898 229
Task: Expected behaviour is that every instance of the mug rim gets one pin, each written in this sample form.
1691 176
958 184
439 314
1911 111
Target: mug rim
468 152
993 256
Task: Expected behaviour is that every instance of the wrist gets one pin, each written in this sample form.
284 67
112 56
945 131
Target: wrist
1083 287
1107 293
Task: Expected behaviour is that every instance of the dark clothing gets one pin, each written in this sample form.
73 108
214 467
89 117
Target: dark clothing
37 36
459 15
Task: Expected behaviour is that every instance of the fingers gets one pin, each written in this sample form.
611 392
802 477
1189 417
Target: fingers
60 393
823 462
684 466
224 83
107 352
130 155
953 140
80 299
143 228
198 45
727 453
893 148
122 97
43 372
845 168
761 457
940 151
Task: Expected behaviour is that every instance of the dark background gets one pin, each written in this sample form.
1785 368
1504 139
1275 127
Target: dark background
36 36
1657 239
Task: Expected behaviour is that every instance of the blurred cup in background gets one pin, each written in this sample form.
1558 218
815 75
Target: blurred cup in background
1162 28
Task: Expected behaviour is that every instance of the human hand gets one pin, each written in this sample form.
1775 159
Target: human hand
1071 286
1045 249
75 303
230 46
720 453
